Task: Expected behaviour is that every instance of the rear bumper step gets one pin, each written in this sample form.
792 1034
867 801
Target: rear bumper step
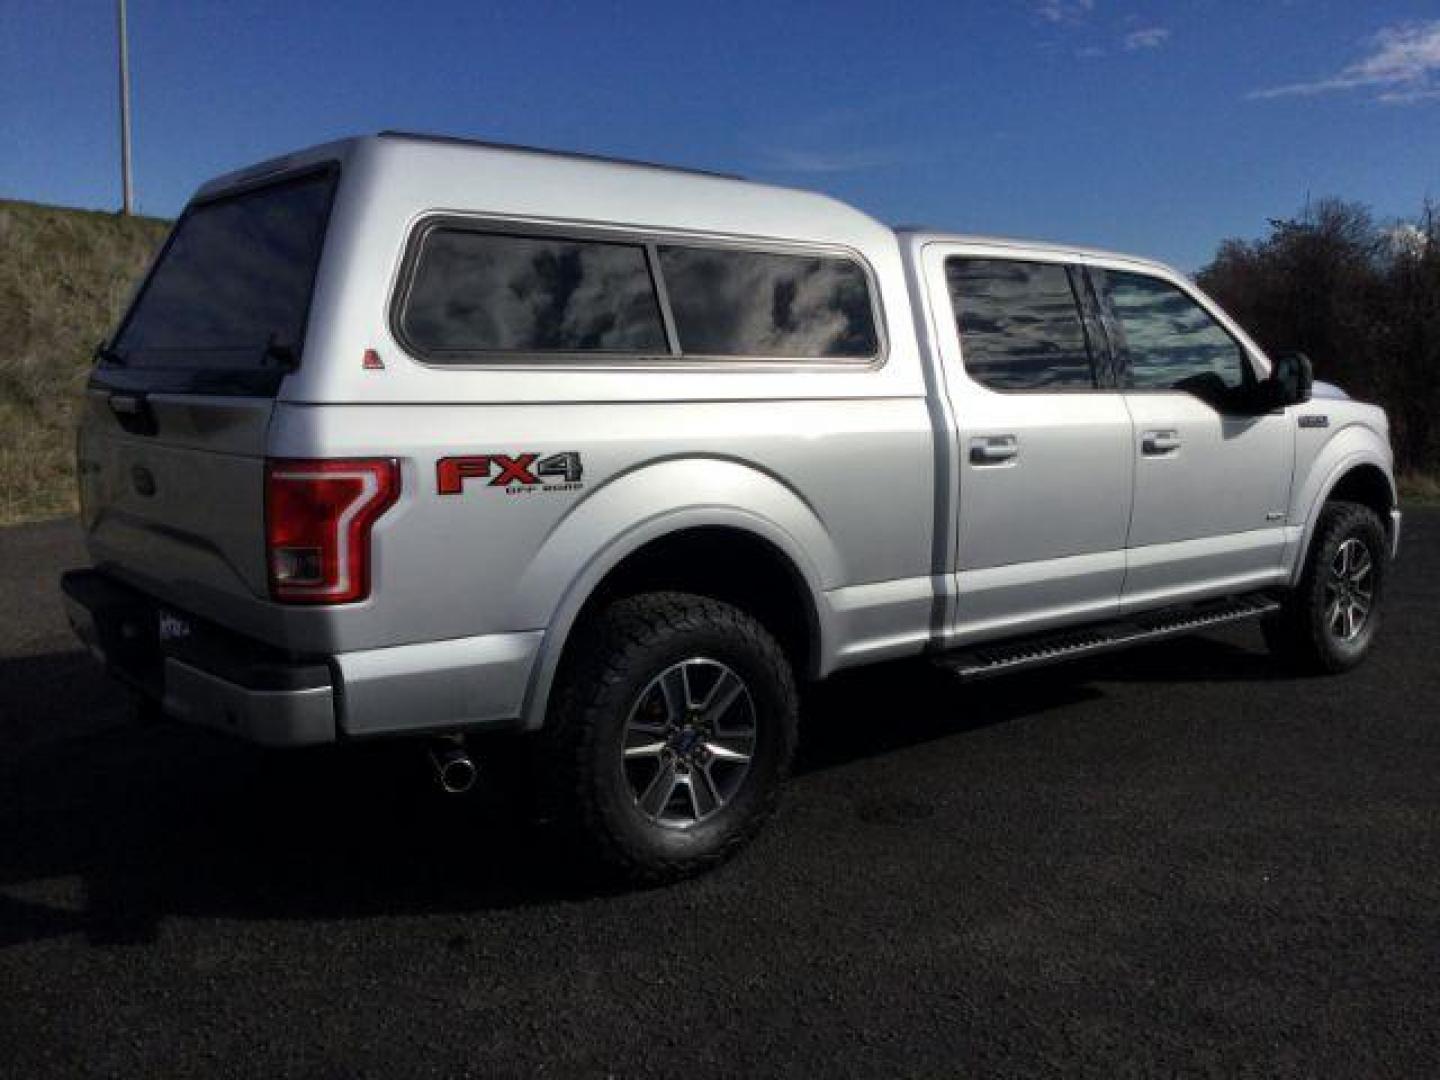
198 672
1001 658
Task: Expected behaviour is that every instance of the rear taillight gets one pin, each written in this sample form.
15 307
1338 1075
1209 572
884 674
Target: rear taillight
318 516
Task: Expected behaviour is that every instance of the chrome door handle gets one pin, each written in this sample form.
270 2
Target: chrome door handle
1156 443
994 449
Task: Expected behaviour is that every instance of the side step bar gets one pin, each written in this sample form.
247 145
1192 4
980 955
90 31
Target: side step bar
1018 654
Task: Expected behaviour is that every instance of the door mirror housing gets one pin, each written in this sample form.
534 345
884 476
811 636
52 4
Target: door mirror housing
1291 379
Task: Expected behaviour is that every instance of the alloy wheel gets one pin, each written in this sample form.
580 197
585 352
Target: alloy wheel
689 740
1349 590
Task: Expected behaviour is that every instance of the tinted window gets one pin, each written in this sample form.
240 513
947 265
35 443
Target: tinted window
475 291
747 303
234 278
1167 339
1019 324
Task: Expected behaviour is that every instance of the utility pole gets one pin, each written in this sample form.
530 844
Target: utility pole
125 113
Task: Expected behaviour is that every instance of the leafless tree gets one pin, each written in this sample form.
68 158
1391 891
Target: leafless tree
1362 299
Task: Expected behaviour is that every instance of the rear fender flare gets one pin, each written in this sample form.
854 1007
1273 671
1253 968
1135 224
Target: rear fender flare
644 505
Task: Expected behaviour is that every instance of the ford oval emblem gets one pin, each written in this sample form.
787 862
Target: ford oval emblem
144 480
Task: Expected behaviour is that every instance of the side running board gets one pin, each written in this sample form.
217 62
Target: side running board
1018 654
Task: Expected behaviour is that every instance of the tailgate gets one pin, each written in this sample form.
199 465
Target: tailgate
178 512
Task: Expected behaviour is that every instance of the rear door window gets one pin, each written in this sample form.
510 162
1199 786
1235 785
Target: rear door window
478 292
232 287
1020 325
729 302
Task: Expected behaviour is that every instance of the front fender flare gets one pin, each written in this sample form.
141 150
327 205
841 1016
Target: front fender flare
1350 448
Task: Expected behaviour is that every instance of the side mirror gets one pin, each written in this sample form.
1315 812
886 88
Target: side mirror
1292 377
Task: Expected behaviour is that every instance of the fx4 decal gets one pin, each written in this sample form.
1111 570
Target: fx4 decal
515 473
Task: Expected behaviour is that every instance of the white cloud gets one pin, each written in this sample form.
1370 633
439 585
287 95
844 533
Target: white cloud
1402 66
1409 97
1407 241
1063 11
1150 37
1090 52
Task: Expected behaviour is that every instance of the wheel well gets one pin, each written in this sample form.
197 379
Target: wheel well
726 564
1367 485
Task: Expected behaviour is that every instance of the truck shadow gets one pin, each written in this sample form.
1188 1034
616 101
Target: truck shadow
108 826
876 710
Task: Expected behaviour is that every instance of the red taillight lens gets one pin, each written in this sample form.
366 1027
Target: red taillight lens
317 526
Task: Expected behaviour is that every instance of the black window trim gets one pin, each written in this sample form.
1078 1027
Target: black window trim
1096 383
1098 331
651 240
248 382
1121 362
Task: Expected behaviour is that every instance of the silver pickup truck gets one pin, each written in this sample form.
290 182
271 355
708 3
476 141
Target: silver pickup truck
412 436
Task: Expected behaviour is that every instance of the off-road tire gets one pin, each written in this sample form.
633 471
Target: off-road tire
620 650
1300 634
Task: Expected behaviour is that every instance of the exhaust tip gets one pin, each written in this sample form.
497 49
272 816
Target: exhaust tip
458 776
454 768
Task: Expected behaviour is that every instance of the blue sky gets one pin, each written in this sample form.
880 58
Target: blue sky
1158 128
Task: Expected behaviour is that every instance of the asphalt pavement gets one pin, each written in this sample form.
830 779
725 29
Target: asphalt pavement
1174 861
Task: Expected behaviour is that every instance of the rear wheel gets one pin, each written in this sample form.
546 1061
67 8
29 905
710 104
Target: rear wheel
1328 623
672 732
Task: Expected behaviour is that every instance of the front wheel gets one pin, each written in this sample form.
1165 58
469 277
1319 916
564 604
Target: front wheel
1328 623
672 732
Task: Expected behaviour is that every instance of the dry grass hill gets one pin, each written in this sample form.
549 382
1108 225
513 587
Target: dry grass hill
64 276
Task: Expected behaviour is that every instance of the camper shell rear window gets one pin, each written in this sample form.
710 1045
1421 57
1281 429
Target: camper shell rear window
226 303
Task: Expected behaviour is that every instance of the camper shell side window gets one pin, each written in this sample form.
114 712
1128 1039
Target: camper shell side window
480 293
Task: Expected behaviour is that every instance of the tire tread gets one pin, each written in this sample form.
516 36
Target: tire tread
1294 635
609 644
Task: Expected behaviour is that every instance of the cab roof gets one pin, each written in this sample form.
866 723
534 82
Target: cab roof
918 236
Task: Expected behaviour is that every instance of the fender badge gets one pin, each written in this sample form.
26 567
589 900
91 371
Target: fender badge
513 473
1315 420
371 361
